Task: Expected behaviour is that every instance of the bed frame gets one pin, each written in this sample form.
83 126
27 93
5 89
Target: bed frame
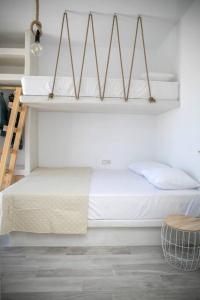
100 233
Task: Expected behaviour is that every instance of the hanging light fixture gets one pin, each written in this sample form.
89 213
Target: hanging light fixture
36 28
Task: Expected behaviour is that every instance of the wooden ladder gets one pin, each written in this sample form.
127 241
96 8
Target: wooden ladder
9 154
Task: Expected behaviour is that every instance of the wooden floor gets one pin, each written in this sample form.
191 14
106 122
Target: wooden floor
102 273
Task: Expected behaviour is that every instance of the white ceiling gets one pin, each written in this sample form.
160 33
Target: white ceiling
16 15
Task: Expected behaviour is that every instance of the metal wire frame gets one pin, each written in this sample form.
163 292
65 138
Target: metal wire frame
102 93
181 249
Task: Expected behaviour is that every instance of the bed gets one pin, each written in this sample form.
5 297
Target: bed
39 202
112 194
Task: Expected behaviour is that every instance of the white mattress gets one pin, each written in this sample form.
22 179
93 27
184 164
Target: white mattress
41 86
123 195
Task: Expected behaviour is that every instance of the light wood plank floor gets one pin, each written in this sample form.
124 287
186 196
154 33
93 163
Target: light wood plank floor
93 273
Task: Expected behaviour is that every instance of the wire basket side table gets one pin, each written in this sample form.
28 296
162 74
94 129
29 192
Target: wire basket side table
180 237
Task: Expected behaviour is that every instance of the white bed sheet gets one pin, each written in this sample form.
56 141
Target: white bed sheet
123 195
41 86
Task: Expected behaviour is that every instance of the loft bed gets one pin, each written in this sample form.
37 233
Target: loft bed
101 203
100 94
37 88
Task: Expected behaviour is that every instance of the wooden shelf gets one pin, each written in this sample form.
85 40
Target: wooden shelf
14 63
12 52
10 79
12 57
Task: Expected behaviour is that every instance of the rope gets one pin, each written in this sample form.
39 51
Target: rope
36 22
37 10
151 99
83 59
115 21
120 56
139 21
132 60
95 53
90 18
51 95
108 59
102 94
71 58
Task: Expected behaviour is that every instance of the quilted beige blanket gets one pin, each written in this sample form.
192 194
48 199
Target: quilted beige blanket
49 200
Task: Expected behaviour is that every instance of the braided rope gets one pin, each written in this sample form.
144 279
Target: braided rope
90 19
83 59
51 95
132 59
37 10
96 58
108 58
151 99
36 23
71 57
120 56
102 93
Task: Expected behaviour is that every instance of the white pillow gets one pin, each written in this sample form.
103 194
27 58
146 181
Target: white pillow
159 76
140 166
170 179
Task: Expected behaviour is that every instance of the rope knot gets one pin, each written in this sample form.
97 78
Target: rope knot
51 95
152 100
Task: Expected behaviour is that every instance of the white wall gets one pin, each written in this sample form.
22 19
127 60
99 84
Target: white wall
31 141
179 131
22 12
87 139
118 137
161 39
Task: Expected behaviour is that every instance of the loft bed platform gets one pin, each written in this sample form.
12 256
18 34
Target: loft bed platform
36 90
95 105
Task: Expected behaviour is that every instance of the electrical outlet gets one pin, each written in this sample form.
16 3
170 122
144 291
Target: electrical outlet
106 162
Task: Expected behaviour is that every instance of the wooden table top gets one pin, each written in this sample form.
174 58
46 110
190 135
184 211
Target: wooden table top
182 222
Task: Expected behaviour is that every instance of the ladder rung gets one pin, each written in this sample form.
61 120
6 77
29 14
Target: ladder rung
8 87
5 128
6 178
13 151
8 172
10 105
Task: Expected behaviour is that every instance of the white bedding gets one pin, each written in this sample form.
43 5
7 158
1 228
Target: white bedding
41 85
123 195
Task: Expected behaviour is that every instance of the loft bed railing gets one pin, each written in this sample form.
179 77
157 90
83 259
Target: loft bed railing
102 89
